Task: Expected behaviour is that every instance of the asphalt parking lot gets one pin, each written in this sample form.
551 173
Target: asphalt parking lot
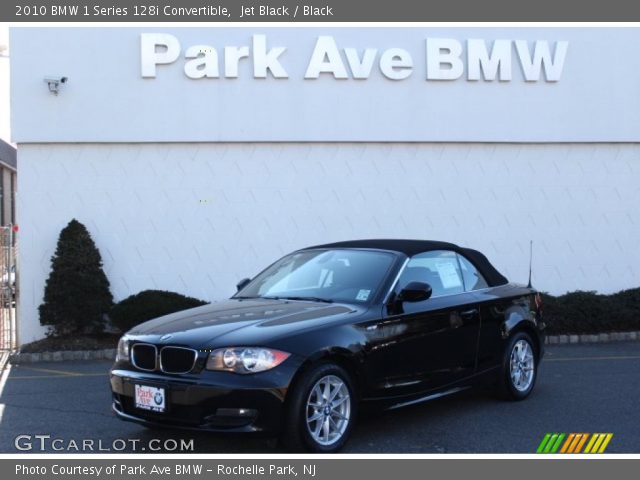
581 388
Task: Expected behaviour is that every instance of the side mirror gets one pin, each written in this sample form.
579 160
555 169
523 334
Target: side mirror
243 283
415 292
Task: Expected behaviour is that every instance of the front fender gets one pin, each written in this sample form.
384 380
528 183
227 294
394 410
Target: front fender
343 345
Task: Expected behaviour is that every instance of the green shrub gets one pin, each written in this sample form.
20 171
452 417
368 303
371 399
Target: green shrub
149 304
589 312
76 294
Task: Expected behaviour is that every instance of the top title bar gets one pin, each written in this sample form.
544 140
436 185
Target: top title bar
232 11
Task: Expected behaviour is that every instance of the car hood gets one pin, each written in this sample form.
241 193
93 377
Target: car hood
241 321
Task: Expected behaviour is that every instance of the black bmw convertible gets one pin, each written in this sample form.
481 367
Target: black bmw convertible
327 330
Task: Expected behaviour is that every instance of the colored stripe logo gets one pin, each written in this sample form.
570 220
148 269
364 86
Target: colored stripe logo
574 443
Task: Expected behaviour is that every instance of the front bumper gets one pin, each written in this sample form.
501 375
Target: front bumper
209 401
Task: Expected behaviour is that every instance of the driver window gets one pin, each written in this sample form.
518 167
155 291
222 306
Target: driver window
438 268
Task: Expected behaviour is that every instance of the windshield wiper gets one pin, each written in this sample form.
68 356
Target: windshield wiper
310 299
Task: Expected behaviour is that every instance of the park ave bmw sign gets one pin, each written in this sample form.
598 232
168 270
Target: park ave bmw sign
445 59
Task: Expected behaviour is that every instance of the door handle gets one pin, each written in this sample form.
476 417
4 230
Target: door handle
469 313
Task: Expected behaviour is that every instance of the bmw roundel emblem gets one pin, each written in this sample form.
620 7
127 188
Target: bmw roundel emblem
158 398
165 337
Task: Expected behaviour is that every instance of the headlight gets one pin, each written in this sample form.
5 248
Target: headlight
123 350
245 359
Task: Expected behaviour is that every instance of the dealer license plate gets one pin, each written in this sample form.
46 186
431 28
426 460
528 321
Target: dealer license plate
150 398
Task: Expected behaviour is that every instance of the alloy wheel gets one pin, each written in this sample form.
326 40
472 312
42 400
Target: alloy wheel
522 365
328 410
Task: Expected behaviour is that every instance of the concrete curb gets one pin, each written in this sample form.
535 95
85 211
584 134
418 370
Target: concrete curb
592 338
110 353
106 354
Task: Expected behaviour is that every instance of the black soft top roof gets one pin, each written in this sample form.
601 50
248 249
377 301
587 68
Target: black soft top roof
413 247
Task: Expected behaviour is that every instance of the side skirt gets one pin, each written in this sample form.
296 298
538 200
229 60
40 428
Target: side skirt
426 398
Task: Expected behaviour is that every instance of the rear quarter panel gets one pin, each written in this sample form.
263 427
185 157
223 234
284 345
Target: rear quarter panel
503 310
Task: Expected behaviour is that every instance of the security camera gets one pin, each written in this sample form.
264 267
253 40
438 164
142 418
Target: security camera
55 79
54 83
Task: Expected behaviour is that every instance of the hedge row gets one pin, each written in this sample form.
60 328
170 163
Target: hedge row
149 304
589 312
572 313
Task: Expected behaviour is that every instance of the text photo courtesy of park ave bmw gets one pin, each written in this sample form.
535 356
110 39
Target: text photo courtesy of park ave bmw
287 239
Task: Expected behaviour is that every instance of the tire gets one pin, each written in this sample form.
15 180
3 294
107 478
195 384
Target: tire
519 368
301 433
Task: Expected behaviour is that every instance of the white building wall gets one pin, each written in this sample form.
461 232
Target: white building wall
195 218
106 99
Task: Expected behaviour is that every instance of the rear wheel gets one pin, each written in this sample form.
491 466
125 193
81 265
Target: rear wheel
321 411
519 367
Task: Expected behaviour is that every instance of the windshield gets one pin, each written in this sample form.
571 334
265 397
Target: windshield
350 276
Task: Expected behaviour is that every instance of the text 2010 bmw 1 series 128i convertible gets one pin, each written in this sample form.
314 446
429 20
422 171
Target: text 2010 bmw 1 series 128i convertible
327 330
